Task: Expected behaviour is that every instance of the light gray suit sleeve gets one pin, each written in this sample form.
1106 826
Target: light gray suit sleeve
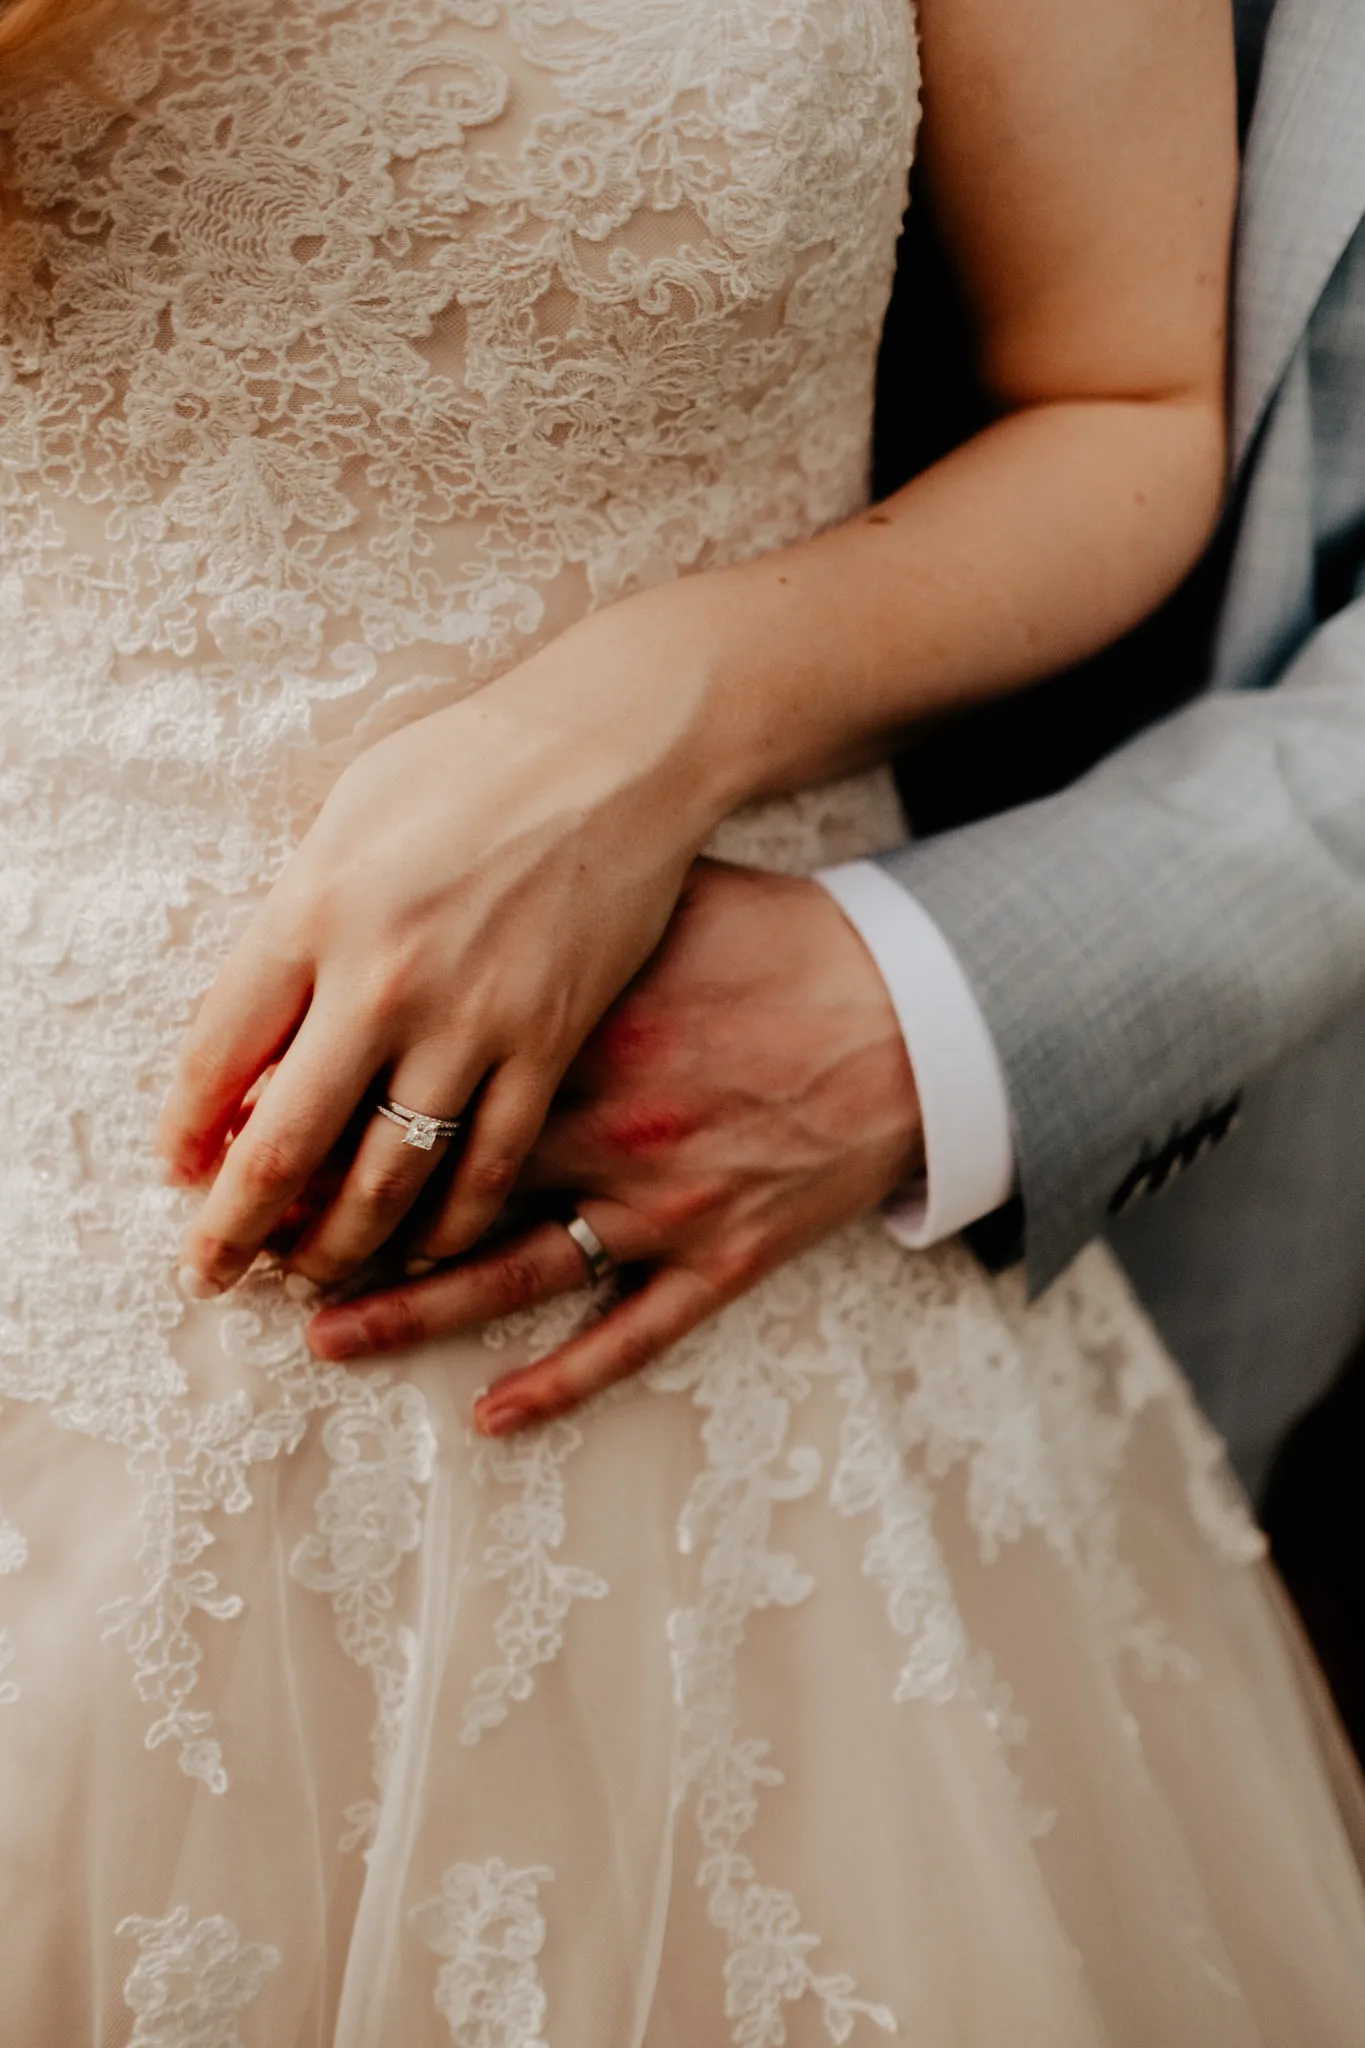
1162 932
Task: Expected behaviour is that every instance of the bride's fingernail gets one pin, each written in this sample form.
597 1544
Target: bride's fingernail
195 1287
300 1288
417 1269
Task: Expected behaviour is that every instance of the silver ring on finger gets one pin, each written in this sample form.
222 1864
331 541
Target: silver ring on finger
600 1263
419 1130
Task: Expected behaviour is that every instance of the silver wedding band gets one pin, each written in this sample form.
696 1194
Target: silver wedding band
601 1264
421 1131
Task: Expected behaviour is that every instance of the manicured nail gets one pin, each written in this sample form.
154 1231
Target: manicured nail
195 1287
300 1288
417 1269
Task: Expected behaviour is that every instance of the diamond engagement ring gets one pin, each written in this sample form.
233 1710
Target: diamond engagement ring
421 1131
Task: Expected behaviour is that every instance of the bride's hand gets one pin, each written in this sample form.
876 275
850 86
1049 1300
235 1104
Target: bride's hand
747 1095
473 894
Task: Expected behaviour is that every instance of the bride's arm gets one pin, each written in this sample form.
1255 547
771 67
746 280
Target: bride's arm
1080 155
478 888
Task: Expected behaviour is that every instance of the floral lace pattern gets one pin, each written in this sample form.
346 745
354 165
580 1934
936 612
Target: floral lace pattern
194 1459
747 1394
337 369
191 1979
349 349
541 1587
488 1923
382 1446
1035 1409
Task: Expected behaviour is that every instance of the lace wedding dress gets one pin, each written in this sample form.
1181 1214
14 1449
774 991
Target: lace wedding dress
894 1660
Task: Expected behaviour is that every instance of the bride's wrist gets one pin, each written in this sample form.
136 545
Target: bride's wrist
754 692
645 686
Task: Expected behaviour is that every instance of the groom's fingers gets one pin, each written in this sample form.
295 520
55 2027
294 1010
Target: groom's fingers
630 1337
517 1275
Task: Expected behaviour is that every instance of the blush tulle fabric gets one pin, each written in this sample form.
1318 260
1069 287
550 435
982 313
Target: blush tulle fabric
896 1660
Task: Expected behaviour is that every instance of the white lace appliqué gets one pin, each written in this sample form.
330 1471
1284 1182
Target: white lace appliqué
382 1446
488 1923
1036 1410
191 1979
525 1536
747 1391
348 351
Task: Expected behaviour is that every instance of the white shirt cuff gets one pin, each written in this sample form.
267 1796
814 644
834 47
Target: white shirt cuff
968 1144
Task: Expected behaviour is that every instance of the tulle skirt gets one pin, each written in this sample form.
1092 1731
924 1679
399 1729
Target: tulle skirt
896 1661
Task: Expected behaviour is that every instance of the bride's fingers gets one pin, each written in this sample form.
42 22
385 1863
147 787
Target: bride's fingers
387 1173
289 1134
631 1336
383 1185
505 1126
517 1275
251 1011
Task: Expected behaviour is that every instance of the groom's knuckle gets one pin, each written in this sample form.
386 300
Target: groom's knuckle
519 1281
559 1385
646 1127
395 1326
633 1035
685 1202
736 1265
631 1351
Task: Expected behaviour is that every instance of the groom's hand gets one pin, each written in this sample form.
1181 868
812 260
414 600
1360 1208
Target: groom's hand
749 1093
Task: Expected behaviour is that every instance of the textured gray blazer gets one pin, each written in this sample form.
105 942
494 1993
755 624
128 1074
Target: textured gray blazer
1174 947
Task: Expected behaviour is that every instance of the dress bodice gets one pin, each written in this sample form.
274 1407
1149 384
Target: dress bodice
349 349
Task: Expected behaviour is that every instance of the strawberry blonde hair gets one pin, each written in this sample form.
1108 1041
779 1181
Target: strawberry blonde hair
27 26
44 33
